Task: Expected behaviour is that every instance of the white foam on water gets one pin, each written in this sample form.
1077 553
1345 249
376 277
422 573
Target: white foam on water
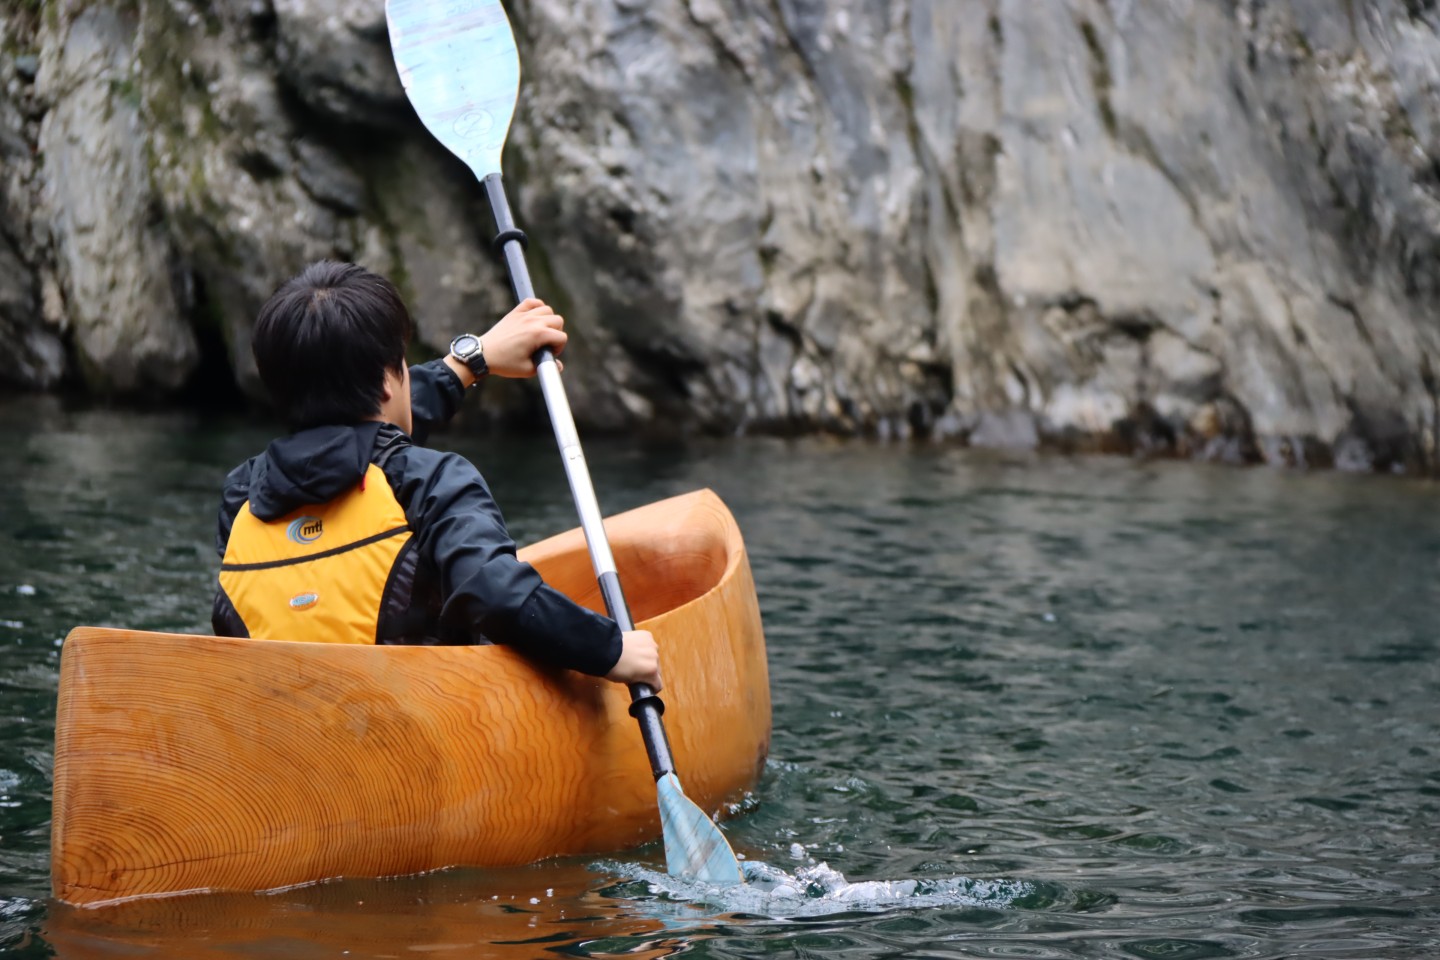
815 890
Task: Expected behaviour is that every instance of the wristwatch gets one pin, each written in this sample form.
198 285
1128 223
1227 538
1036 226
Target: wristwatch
468 349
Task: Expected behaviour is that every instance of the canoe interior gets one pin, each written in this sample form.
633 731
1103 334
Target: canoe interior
190 763
663 568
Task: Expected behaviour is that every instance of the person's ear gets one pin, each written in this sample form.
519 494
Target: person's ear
387 388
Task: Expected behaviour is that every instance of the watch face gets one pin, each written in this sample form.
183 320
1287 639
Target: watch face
465 345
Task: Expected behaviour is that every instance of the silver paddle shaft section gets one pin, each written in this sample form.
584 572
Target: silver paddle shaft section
576 469
645 706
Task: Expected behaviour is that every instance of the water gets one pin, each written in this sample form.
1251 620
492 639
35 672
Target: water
1028 706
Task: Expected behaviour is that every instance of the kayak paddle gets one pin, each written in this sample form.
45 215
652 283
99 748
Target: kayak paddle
460 68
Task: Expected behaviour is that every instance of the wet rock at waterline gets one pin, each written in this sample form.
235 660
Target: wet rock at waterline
1202 228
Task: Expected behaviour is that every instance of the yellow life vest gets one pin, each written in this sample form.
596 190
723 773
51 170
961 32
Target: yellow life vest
319 573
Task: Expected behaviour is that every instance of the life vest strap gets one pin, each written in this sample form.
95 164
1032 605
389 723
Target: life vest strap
290 561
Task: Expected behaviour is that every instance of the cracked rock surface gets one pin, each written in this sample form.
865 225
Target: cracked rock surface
1204 227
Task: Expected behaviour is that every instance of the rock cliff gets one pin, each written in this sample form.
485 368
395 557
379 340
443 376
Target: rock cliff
1207 227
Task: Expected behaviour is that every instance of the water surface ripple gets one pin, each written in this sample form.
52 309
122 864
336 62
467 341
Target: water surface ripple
1030 706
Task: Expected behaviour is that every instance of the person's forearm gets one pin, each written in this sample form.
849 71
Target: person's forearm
436 391
555 629
467 378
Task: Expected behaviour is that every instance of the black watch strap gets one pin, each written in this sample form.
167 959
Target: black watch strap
468 349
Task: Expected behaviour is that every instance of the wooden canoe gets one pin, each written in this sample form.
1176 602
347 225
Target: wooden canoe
194 763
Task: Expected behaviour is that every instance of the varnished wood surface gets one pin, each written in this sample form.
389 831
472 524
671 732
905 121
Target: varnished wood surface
203 763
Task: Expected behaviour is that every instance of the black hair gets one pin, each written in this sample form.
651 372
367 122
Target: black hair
324 341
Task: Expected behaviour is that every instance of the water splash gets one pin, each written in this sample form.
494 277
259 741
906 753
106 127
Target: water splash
816 889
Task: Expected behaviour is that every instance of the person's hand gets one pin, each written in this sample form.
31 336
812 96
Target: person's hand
639 660
511 343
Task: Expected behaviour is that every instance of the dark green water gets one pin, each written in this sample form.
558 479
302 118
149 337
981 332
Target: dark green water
1099 708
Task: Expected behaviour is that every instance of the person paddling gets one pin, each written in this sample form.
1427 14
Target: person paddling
348 530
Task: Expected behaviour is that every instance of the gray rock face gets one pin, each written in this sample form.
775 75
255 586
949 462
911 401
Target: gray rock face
112 255
1195 227
1201 227
32 355
336 58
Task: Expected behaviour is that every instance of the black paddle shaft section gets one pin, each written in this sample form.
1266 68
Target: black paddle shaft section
645 706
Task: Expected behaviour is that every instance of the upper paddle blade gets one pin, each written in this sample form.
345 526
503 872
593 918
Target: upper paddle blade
459 66
694 846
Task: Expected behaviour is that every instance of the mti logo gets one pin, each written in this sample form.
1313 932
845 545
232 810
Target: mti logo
305 530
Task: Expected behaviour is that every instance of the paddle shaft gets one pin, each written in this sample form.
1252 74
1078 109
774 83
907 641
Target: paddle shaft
645 706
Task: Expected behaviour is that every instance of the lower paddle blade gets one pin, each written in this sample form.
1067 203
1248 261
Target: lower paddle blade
694 846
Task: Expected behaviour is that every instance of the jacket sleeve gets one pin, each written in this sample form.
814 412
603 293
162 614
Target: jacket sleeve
232 497
484 588
435 396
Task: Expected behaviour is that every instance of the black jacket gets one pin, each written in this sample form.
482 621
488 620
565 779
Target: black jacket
465 583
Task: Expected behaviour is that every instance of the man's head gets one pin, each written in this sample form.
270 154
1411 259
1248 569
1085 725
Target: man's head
326 341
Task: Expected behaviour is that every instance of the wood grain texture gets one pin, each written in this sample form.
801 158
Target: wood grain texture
186 763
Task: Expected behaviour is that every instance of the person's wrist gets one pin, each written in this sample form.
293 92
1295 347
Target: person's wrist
461 372
468 350
617 647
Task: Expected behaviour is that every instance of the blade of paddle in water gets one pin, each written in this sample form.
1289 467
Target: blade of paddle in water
694 846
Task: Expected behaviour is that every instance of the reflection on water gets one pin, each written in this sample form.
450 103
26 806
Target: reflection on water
1027 706
636 911
502 913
